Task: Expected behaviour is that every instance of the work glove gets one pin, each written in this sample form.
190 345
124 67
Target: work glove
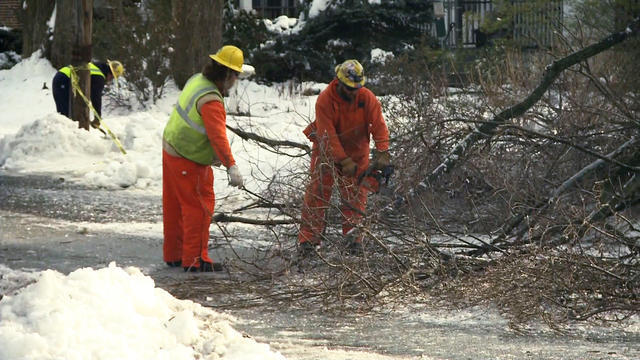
348 167
381 159
235 178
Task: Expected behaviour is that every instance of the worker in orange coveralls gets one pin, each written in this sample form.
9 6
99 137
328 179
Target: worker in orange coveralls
347 116
194 139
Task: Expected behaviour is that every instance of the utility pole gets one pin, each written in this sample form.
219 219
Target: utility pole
80 58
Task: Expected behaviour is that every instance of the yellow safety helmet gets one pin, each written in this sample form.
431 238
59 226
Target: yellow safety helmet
116 68
351 73
229 56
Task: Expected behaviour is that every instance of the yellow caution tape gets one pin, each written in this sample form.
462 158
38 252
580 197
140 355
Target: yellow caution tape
76 89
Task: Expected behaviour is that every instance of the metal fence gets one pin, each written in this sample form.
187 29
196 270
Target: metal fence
534 25
533 22
271 9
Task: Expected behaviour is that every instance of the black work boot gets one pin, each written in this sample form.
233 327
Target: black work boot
205 266
174 263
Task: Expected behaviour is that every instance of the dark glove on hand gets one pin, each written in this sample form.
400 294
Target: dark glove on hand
381 159
348 167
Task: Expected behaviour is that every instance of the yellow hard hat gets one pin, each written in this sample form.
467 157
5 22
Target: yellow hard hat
351 73
116 68
229 56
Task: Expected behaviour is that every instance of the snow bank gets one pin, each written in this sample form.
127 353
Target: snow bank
24 96
115 313
35 139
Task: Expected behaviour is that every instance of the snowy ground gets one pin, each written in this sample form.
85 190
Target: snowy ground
90 273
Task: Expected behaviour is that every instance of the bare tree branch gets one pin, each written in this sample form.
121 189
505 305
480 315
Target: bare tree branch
271 142
222 217
488 129
570 183
607 158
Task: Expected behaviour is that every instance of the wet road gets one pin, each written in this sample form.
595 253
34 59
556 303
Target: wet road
41 227
58 199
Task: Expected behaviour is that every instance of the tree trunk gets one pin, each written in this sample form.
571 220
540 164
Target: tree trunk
198 33
63 35
34 17
80 59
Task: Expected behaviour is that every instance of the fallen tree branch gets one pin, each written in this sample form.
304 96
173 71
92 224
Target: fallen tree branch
552 71
271 142
606 158
222 217
542 205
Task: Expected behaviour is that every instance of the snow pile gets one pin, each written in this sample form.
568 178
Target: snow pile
53 137
9 59
54 144
317 7
380 56
24 97
11 280
35 139
281 25
114 313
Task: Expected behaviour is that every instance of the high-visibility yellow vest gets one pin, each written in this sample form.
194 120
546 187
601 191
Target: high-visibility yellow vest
94 70
185 130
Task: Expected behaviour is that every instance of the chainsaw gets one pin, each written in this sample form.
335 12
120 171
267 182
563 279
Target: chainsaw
375 178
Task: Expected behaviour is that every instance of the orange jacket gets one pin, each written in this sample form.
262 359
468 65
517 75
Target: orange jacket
214 118
347 127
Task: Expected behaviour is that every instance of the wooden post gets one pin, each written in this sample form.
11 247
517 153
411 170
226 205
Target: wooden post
81 57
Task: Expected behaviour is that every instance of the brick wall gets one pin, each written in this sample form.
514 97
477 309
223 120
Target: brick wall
8 16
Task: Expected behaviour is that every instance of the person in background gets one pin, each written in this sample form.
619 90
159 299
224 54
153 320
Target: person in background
194 139
101 73
347 116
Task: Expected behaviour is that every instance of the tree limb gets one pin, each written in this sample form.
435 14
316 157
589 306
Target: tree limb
552 71
222 217
271 142
570 183
581 148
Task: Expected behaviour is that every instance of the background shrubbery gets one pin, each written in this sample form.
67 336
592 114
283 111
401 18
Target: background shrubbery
348 31
143 41
10 47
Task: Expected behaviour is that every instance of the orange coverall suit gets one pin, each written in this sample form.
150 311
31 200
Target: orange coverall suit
342 129
188 199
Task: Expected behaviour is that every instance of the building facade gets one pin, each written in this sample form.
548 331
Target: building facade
459 23
9 14
271 9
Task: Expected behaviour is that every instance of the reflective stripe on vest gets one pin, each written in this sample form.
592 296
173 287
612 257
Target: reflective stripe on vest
184 113
94 70
185 131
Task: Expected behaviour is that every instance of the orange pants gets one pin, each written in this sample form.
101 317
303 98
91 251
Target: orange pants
318 195
187 206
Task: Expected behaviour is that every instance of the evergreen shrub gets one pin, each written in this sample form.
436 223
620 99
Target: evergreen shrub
345 30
